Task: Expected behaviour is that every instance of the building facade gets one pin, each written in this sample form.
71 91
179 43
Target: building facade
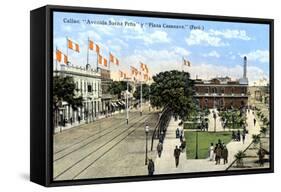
222 92
88 86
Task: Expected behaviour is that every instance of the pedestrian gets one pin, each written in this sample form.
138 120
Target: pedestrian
181 135
207 126
79 119
233 135
218 154
255 122
177 153
159 149
243 137
161 137
238 135
177 133
211 152
261 154
224 154
183 144
150 167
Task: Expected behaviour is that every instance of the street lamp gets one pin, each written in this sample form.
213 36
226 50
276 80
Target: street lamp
61 118
215 120
196 149
146 136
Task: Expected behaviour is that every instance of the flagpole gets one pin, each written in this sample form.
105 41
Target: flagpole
88 51
141 94
97 62
56 60
109 63
67 49
127 102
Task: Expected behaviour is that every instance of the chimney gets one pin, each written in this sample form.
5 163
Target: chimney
245 68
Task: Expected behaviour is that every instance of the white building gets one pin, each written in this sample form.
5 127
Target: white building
88 83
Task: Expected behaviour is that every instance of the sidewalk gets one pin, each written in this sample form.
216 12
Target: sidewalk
166 164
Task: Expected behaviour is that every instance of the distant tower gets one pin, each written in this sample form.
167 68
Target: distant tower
245 68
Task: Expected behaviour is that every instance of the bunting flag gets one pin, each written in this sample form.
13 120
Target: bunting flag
186 62
122 74
134 71
73 46
144 68
102 60
113 59
94 47
60 55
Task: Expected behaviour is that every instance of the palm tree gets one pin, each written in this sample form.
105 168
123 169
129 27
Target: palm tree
240 155
256 139
263 131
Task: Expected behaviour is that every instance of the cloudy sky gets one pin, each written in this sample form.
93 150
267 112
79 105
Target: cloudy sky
213 48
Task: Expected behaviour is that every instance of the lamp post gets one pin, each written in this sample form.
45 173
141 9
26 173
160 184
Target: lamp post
61 118
215 121
127 103
146 136
196 149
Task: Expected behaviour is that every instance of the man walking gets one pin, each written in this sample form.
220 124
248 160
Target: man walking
177 153
159 149
224 155
150 167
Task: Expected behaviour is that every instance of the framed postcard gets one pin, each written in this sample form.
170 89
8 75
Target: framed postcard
121 95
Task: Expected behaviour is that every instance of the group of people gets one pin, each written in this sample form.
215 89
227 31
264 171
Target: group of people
218 152
237 136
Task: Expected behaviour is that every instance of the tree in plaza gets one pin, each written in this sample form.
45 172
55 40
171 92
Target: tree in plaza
117 87
174 90
145 92
64 90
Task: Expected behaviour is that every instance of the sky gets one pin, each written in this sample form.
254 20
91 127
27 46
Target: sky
215 49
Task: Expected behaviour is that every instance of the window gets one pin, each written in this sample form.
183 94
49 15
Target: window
89 88
207 90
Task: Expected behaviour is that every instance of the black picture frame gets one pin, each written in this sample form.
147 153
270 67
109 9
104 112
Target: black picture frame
41 54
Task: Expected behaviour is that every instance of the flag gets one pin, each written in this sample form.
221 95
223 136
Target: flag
113 59
144 67
59 56
73 46
122 74
186 62
94 47
134 71
102 60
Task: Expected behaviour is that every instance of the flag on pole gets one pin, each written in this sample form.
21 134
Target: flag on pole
144 67
60 56
94 47
122 74
186 62
102 60
73 46
134 71
113 59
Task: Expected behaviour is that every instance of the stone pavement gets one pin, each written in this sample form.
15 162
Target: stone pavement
166 163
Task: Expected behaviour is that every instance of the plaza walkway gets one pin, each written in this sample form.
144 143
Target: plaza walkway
166 163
